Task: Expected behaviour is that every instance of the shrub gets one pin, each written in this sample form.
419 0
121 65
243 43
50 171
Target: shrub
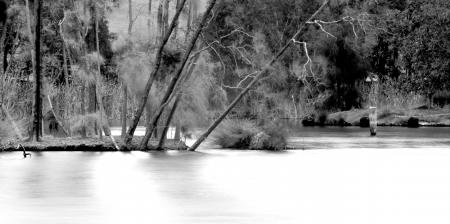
235 133
245 134
364 122
441 98
276 137
323 116
308 121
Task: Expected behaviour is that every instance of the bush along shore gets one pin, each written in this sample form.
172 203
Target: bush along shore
247 134
360 117
83 144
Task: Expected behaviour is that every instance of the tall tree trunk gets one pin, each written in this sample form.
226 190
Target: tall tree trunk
149 20
166 17
192 14
175 32
154 121
5 61
104 125
99 74
66 94
37 91
124 84
188 21
83 109
148 86
163 136
255 80
159 23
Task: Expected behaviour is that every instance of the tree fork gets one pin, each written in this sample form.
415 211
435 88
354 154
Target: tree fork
260 74
167 125
148 86
171 89
175 105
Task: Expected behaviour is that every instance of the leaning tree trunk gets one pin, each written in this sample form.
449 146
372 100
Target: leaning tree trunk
175 105
148 86
154 120
163 136
255 80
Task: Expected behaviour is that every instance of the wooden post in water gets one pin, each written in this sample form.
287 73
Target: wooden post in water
372 79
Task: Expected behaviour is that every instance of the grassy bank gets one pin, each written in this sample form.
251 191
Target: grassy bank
83 144
386 117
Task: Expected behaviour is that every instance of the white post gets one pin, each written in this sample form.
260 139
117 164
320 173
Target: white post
373 101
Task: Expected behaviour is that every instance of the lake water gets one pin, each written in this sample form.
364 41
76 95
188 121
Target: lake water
400 176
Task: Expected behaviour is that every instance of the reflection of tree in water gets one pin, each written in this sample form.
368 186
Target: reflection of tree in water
178 175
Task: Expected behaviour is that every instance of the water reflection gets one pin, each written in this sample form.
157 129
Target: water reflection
350 185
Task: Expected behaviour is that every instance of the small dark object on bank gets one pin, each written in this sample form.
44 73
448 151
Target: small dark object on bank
364 122
308 121
413 122
322 118
343 123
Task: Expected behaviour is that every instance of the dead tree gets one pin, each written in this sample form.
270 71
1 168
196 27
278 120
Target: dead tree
255 80
149 84
174 82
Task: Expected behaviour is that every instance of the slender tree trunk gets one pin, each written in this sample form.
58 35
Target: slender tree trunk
66 94
255 80
188 21
166 18
174 107
148 86
175 32
159 23
37 91
124 84
163 136
149 21
153 122
99 74
5 61
83 108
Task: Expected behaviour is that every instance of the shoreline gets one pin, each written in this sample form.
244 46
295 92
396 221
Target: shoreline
50 144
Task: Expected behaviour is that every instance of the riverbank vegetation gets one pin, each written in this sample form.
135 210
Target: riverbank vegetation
246 134
73 69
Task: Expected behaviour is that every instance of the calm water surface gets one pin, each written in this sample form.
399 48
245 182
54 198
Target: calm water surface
401 176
